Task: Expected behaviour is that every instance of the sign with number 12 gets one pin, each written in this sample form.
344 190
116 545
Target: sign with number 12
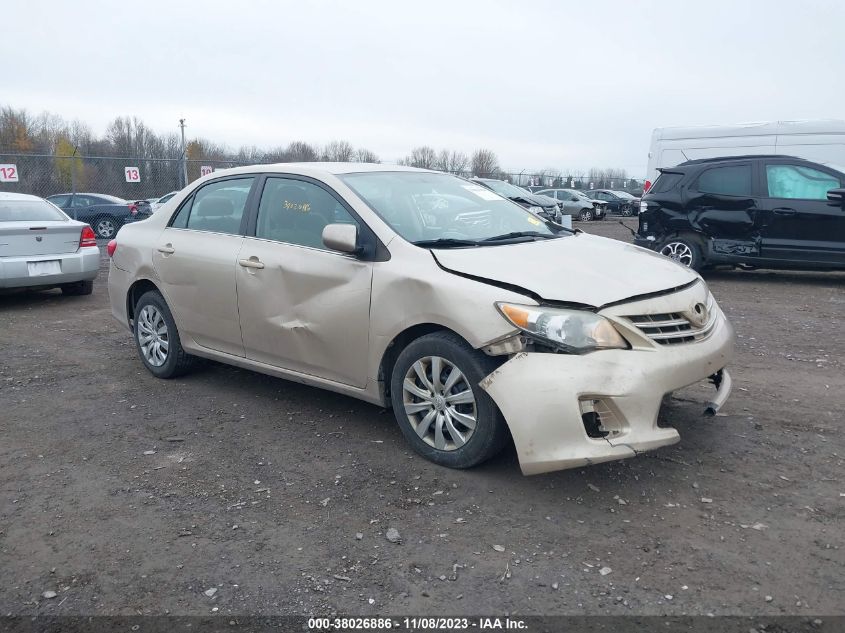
8 173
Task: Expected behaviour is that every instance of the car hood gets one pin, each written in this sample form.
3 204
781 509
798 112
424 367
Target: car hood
578 269
535 200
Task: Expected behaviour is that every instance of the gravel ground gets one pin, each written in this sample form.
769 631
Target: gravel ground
124 494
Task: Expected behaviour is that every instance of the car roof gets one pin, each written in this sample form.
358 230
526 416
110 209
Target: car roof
80 193
730 159
14 196
320 169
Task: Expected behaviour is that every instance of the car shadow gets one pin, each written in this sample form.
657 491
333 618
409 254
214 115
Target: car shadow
815 278
14 298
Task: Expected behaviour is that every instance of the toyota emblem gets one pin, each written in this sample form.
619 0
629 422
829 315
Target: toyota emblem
38 238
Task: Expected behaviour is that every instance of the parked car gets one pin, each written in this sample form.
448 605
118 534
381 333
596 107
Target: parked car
162 200
473 318
41 247
144 206
618 202
752 211
543 206
103 212
573 202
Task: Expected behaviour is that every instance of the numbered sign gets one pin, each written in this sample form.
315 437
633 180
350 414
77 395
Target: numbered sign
8 173
133 174
572 184
205 170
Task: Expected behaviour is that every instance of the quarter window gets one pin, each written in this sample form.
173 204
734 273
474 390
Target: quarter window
799 182
728 181
296 212
217 207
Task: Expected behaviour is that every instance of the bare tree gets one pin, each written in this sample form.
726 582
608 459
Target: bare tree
302 152
338 152
453 162
485 163
424 157
366 156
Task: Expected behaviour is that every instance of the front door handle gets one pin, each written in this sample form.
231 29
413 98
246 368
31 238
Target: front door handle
252 262
167 249
784 211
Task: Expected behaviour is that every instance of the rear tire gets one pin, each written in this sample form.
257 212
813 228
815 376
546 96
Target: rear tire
157 339
683 249
441 409
78 288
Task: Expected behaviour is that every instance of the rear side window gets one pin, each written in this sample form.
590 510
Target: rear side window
666 182
217 207
59 201
798 182
29 210
727 181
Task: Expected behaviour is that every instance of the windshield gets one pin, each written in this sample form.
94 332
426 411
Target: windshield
623 194
29 210
505 189
578 194
112 199
423 207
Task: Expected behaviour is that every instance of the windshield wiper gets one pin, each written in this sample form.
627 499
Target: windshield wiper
517 234
444 242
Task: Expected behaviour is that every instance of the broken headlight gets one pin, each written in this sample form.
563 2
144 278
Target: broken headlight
569 330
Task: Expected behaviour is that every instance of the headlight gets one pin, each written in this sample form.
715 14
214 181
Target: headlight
535 209
571 330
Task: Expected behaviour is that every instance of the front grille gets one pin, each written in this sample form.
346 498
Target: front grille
674 328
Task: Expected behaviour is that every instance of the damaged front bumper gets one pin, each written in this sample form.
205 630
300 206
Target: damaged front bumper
567 411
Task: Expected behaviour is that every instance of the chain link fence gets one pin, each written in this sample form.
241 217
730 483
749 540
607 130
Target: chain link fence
144 178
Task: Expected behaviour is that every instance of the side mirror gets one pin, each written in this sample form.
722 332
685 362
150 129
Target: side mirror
574 199
837 196
341 237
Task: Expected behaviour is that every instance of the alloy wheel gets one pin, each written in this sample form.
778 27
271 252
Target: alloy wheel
105 228
679 252
152 335
585 215
439 403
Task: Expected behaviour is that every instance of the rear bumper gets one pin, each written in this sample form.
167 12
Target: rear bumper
542 398
82 265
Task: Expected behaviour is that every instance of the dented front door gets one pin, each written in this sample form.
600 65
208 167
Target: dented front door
305 309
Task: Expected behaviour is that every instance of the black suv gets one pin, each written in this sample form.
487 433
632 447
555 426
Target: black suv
748 211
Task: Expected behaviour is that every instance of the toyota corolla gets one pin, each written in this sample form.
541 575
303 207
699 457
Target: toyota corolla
429 294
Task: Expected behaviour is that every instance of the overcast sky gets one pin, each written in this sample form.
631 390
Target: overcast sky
543 84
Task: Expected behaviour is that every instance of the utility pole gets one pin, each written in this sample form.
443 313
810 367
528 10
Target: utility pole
184 155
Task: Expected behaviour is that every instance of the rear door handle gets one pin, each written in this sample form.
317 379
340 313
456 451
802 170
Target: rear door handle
252 262
784 211
167 249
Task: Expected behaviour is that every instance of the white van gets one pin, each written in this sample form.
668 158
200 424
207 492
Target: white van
820 141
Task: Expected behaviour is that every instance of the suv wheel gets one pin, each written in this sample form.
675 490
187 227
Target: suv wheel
157 338
441 410
586 215
683 250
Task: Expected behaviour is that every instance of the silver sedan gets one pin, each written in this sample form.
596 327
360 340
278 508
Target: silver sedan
41 247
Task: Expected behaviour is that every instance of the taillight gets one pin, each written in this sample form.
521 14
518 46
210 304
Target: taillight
133 209
646 186
88 237
111 248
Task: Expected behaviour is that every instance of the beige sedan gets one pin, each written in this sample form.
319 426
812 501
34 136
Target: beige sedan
472 318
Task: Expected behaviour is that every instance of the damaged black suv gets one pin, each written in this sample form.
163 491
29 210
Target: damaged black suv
747 211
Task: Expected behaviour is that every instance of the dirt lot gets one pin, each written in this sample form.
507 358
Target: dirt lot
125 494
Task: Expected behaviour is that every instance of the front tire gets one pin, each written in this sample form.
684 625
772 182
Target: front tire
586 215
106 227
684 250
440 407
627 211
157 339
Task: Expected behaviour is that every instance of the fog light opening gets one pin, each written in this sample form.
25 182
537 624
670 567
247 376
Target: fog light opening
600 422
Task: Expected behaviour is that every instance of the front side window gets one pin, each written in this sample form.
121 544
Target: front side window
727 181
296 212
427 206
799 182
217 207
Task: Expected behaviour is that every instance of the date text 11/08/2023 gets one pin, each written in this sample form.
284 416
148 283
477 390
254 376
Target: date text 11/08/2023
415 623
